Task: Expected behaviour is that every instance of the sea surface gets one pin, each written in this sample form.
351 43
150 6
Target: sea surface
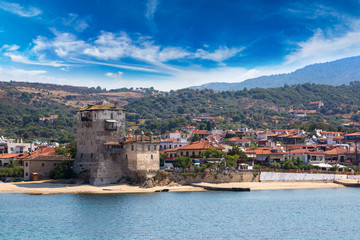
271 214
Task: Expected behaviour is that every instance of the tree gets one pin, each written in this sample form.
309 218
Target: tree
275 165
231 161
62 171
213 153
162 158
183 162
195 138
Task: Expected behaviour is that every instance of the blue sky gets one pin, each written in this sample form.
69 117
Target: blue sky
170 44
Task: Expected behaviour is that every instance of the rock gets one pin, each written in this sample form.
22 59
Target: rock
148 184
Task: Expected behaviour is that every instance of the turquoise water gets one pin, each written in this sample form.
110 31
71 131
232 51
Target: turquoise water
275 214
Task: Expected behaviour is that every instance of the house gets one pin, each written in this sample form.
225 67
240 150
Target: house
201 133
193 150
16 147
239 141
266 156
298 113
188 129
317 104
43 165
169 143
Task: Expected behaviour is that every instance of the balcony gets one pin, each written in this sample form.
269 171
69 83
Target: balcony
110 125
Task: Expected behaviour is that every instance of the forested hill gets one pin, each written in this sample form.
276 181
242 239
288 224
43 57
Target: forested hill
336 73
256 108
22 104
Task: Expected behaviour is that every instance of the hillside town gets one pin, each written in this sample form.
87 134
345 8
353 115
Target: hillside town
101 140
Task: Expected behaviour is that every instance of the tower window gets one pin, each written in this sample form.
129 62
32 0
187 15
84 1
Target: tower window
132 147
149 147
152 156
92 154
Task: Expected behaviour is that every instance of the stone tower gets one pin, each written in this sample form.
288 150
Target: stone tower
97 126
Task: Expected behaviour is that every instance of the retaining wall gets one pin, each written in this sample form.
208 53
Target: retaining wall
278 176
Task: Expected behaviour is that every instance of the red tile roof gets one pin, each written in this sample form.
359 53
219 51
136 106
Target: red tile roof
201 145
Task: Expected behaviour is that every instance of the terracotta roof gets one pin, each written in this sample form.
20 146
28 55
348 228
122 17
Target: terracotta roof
104 105
169 140
201 145
335 151
200 132
237 139
9 155
353 134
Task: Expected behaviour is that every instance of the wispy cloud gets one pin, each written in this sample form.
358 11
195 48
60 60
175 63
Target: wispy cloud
73 20
323 47
6 47
151 8
219 55
16 57
17 9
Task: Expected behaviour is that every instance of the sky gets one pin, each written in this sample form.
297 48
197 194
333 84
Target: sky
170 44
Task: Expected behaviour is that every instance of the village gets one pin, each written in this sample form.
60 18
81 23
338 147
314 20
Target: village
108 153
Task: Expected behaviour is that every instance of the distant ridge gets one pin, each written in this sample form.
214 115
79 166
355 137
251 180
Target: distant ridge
342 71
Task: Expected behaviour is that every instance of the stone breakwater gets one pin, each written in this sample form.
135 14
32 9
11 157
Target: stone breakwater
163 178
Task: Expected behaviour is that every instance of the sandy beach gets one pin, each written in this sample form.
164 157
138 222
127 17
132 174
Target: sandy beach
48 188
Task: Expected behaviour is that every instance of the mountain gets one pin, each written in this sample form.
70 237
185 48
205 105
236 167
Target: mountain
336 73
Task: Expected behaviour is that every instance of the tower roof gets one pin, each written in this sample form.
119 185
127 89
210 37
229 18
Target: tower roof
103 105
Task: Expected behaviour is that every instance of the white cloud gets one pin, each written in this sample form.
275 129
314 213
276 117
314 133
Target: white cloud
116 76
16 57
73 20
219 55
151 8
6 47
64 44
20 10
323 47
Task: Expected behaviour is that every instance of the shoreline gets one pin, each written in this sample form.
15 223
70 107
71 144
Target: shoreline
49 188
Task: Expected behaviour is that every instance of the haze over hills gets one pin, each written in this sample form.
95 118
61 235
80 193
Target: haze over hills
342 71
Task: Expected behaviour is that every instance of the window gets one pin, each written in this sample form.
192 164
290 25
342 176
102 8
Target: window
152 156
92 154
54 164
81 155
42 164
26 174
132 147
149 147
26 164
126 157
154 147
111 115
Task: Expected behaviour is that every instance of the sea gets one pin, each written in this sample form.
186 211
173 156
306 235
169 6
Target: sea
332 213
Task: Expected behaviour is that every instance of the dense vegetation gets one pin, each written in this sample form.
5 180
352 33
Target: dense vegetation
256 108
159 112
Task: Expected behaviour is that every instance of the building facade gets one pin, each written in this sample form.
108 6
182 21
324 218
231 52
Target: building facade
104 152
